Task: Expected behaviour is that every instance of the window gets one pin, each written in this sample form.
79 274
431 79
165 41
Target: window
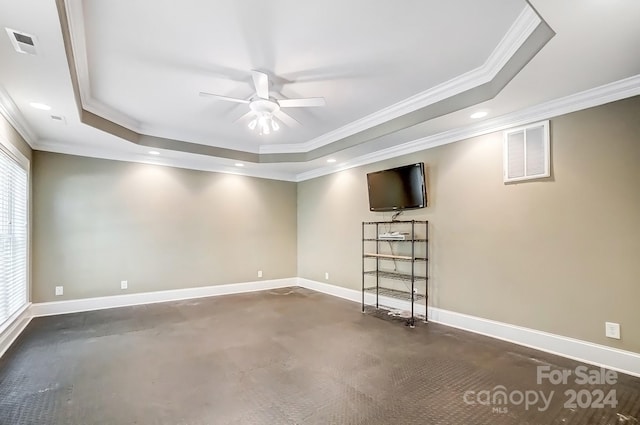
13 236
526 152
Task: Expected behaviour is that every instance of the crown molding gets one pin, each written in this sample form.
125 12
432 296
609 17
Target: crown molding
607 93
12 114
193 162
520 30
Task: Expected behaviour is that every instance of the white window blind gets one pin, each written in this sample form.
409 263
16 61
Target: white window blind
526 152
13 237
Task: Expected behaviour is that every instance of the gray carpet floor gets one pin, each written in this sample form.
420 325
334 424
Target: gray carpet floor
288 356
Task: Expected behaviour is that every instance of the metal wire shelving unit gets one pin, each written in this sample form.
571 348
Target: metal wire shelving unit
395 265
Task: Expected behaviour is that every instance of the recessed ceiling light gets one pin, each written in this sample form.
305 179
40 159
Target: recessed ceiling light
154 153
480 114
41 106
239 164
331 160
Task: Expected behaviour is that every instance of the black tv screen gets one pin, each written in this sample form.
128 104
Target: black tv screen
397 188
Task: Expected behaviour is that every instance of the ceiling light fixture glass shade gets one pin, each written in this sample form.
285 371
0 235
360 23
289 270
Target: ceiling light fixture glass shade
264 123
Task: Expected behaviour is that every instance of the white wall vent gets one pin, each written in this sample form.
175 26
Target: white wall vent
526 152
22 42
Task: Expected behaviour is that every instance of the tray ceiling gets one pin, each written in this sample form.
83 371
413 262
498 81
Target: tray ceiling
125 75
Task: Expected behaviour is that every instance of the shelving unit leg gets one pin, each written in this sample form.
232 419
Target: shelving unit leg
426 274
413 272
377 265
363 259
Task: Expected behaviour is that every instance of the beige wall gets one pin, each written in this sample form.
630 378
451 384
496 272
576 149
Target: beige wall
8 133
557 255
97 222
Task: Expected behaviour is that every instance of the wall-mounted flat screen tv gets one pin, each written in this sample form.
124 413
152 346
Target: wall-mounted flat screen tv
399 188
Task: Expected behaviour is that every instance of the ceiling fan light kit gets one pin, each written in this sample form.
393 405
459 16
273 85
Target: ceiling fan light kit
264 109
264 124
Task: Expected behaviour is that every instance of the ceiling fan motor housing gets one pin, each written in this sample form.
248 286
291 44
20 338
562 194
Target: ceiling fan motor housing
264 106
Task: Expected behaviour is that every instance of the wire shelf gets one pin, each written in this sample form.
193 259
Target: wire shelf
395 275
394 240
396 222
392 258
395 293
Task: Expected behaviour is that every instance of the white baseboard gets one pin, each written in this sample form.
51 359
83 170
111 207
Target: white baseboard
100 303
583 351
18 323
587 352
356 296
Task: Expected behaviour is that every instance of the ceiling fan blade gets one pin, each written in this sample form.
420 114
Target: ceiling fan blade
229 99
261 81
288 120
302 103
242 117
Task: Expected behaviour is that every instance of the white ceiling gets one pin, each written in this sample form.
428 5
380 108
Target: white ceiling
361 55
141 64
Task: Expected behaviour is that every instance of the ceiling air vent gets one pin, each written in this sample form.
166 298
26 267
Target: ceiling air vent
59 119
22 42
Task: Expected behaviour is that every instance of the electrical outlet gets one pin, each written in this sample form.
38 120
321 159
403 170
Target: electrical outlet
326 275
259 273
612 330
59 290
124 284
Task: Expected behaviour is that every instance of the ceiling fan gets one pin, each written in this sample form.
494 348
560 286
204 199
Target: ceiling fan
265 109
